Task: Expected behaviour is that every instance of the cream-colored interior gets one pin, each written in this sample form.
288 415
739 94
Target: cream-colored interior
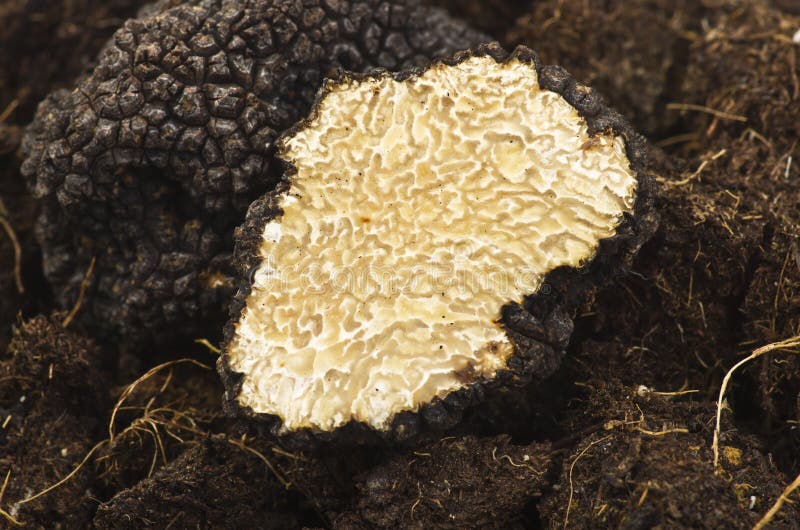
419 209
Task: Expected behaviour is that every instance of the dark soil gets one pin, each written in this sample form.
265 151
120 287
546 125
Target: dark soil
53 399
491 17
18 266
212 485
456 483
633 53
755 76
619 437
650 466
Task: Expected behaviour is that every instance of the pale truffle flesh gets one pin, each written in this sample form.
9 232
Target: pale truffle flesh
419 208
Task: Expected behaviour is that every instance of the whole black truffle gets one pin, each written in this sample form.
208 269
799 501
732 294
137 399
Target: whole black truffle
151 161
434 231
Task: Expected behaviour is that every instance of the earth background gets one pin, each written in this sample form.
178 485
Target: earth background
619 437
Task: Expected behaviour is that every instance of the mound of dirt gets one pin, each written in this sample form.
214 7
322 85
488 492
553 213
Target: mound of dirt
456 483
746 69
633 53
649 465
215 484
52 398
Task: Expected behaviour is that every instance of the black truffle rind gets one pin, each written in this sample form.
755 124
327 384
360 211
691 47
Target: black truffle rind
151 161
540 328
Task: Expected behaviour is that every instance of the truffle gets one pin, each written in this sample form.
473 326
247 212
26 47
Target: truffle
426 242
152 160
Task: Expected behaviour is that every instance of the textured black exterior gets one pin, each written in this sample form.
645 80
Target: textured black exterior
540 328
151 162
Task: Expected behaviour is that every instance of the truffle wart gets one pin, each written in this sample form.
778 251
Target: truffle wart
417 208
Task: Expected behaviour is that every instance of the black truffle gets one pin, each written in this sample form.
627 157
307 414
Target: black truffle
430 239
151 161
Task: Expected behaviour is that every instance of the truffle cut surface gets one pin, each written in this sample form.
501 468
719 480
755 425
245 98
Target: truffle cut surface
418 208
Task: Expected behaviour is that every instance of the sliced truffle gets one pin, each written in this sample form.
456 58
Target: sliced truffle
149 164
391 269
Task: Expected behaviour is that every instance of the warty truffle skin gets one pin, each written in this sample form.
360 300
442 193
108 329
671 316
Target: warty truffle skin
152 160
538 327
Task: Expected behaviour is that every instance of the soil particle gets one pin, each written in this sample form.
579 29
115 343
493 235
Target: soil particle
464 482
493 17
649 465
632 52
215 484
743 77
51 397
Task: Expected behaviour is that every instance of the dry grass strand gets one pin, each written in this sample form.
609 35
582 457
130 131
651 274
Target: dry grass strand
16 246
147 375
66 478
702 108
777 506
572 468
7 516
792 342
207 343
81 294
279 476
